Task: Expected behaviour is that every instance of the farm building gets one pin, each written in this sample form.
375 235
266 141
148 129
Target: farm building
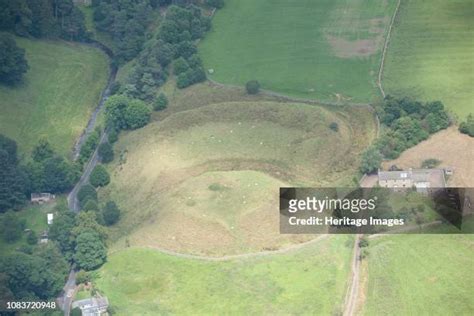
93 306
421 179
41 198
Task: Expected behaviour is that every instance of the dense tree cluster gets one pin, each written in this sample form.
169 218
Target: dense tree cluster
43 19
13 177
89 146
409 122
106 152
126 22
12 60
160 103
46 172
11 227
371 160
122 113
99 177
39 275
80 238
175 44
61 232
86 192
49 172
467 126
178 33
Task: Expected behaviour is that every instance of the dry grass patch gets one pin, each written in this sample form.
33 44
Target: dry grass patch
206 180
449 146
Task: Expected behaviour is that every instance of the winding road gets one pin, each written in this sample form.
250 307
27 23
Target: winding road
65 300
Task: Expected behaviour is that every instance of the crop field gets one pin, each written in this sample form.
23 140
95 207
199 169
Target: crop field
451 148
431 52
420 275
60 91
322 49
206 180
145 282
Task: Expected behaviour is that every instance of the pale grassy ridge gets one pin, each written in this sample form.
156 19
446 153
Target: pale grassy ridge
147 282
431 53
312 49
59 93
206 181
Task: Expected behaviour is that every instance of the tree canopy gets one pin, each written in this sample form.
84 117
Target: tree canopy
13 64
99 177
467 126
13 179
111 213
90 251
43 19
122 112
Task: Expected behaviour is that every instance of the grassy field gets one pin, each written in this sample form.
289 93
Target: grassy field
146 282
420 275
36 220
206 180
322 49
59 92
431 52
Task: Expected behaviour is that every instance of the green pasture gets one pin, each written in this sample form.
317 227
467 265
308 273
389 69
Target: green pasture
420 275
59 92
323 49
430 56
147 282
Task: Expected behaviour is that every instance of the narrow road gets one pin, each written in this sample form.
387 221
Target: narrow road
72 201
352 295
65 300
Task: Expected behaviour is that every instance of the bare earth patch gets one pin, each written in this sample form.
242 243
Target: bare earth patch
452 148
348 49
344 48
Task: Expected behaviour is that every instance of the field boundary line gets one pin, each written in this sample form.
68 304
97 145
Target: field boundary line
384 51
250 255
286 98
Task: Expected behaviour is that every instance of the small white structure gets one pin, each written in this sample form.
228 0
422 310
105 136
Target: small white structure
44 237
41 198
50 218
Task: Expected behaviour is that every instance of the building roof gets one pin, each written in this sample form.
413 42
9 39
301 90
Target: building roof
91 305
433 176
394 175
